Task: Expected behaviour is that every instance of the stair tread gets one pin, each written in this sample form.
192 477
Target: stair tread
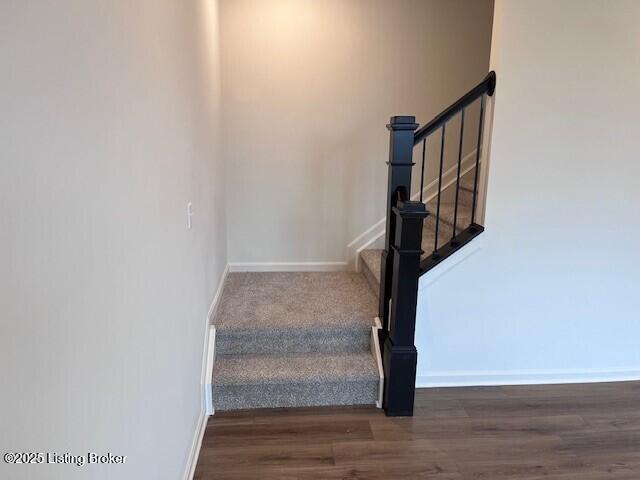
447 210
467 180
429 233
448 195
294 301
445 228
294 369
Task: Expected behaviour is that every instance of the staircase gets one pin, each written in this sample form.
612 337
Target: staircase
304 339
308 339
370 259
294 340
301 339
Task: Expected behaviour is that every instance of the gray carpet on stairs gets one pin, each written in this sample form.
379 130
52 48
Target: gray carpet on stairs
295 380
370 259
370 267
302 339
294 339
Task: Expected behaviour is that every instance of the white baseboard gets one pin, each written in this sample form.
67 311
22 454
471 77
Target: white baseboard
288 266
524 377
375 351
194 453
376 232
216 297
211 358
208 356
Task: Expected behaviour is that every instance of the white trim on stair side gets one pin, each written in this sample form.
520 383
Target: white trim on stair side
211 357
288 266
376 232
208 357
375 351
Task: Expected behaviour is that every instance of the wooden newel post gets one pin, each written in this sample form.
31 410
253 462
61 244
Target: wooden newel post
400 163
400 355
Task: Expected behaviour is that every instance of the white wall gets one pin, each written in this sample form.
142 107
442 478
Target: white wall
308 87
109 126
551 294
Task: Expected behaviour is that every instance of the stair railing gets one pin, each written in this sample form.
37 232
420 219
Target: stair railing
402 262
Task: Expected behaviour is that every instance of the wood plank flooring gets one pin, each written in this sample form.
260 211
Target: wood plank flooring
564 432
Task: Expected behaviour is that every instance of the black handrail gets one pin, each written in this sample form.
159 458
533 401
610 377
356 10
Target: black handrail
488 86
404 258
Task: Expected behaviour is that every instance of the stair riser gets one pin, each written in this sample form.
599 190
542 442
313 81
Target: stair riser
446 217
446 223
465 198
373 282
234 397
272 342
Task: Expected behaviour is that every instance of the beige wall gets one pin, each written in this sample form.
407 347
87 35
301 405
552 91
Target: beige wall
550 296
109 127
308 87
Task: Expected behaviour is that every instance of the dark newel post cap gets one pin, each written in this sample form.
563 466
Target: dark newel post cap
402 122
410 209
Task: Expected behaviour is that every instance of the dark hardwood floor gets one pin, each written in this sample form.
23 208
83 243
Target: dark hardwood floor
564 432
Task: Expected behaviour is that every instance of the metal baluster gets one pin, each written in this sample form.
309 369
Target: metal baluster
455 208
475 180
424 146
435 248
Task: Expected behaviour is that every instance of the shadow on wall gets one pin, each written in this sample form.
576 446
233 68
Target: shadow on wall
315 94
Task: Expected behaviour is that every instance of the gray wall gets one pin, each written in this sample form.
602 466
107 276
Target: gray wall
551 294
308 87
108 114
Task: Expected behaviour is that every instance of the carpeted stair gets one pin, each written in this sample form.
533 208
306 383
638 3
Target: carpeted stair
294 339
370 259
303 339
